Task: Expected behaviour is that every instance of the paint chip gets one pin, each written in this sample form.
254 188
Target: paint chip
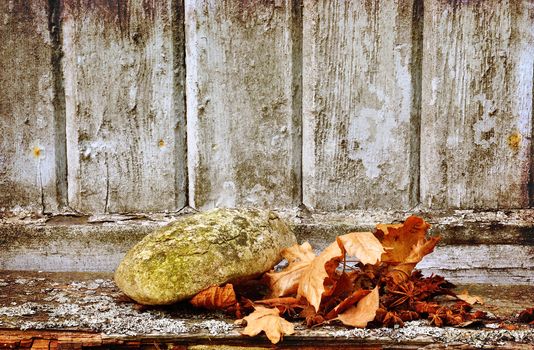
514 140
37 151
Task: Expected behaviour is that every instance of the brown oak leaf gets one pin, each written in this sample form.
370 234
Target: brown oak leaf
269 321
363 313
286 281
215 298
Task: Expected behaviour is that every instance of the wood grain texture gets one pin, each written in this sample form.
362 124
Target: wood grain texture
243 103
492 264
125 105
360 104
31 156
477 104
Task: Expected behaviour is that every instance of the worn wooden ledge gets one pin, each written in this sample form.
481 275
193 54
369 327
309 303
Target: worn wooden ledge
477 247
84 310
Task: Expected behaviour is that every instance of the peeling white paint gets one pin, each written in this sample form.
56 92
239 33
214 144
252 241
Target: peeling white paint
524 81
364 141
403 79
227 197
436 81
357 105
259 196
475 151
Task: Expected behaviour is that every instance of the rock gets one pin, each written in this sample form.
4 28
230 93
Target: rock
179 260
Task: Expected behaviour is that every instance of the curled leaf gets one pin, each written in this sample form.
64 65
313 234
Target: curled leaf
286 281
311 284
363 313
269 321
403 270
347 302
363 245
405 246
215 298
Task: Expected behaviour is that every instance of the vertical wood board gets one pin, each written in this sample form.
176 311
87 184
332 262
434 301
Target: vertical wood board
125 105
243 103
360 104
29 154
477 104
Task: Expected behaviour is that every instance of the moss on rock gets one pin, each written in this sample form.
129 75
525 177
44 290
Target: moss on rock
177 261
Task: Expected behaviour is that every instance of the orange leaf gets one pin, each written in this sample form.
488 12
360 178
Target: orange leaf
269 321
362 245
311 284
286 281
405 246
402 271
363 313
348 302
215 298
400 238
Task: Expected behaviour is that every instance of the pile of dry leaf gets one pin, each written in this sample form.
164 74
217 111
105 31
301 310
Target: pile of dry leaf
362 279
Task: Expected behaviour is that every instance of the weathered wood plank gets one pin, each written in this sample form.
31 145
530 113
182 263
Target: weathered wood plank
243 103
477 103
32 167
125 105
492 264
360 104
490 247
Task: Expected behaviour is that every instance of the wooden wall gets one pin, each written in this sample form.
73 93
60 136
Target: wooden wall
150 106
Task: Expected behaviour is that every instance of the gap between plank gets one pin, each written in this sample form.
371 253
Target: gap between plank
58 102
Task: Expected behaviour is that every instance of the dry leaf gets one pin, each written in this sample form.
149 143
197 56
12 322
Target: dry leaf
402 271
311 284
362 245
526 316
400 238
269 321
215 298
306 273
363 313
470 299
347 302
405 246
286 281
286 305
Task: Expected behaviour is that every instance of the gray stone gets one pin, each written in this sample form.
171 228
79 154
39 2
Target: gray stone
178 260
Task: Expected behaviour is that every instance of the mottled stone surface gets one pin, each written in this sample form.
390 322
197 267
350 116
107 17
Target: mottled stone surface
181 259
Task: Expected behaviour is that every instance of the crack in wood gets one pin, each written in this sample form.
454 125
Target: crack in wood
58 102
417 86
531 177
